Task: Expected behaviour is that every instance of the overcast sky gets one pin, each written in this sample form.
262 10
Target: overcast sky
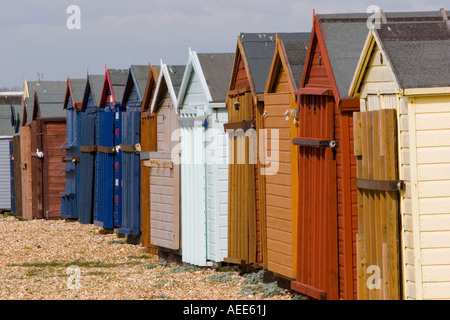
35 38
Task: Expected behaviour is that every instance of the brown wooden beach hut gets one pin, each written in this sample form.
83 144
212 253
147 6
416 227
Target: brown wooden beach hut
245 102
327 202
42 155
281 180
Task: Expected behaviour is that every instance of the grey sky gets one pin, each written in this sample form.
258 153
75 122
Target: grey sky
35 39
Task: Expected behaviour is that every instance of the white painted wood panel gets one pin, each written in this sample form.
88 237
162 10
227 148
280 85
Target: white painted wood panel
435 222
435 256
435 239
434 205
438 290
5 175
432 121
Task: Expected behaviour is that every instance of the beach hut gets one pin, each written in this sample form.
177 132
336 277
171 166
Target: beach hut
45 137
327 207
148 143
401 143
108 171
9 123
162 173
5 164
244 101
86 137
204 157
131 164
72 103
281 180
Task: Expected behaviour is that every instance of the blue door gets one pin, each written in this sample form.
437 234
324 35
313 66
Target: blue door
68 197
86 168
118 168
104 171
131 174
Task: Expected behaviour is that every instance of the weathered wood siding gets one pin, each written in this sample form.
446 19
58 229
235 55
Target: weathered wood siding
54 136
378 78
25 156
242 238
378 225
165 180
37 172
17 177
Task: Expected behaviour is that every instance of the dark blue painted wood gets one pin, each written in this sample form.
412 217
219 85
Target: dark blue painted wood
131 174
86 172
103 214
118 167
69 196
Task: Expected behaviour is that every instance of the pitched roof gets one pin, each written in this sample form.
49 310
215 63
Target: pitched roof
10 102
6 127
51 97
344 37
259 49
77 87
138 75
419 53
216 68
118 79
94 84
175 74
295 53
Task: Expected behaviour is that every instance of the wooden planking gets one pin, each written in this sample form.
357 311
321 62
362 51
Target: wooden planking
317 258
241 187
278 190
26 169
54 178
379 238
163 210
37 171
17 177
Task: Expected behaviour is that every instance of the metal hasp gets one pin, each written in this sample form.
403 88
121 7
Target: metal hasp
305 142
380 185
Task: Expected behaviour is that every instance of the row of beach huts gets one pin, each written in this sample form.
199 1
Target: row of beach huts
322 157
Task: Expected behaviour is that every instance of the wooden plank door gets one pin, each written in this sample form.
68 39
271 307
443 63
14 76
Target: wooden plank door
85 186
242 238
118 168
317 249
378 253
131 173
17 177
104 213
54 136
37 172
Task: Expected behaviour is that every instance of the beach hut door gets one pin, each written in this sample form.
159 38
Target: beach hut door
317 257
378 254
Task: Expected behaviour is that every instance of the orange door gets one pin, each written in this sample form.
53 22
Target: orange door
317 255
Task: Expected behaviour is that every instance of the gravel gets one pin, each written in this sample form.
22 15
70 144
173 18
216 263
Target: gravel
65 260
